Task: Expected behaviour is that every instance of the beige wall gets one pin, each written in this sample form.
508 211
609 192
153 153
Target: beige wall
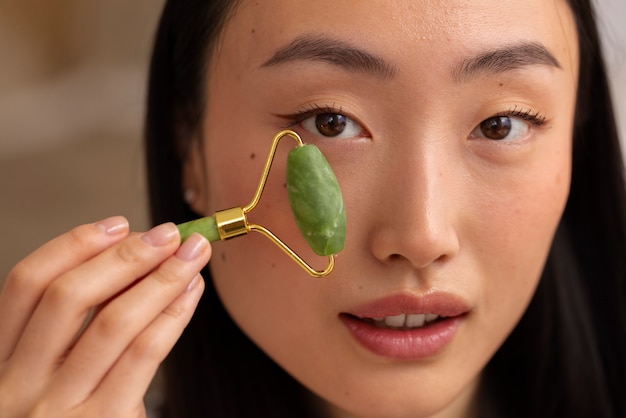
72 78
43 39
612 15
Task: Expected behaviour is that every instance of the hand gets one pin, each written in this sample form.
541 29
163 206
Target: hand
142 290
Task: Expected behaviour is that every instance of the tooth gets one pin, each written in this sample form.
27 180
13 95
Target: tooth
415 320
431 317
395 321
379 321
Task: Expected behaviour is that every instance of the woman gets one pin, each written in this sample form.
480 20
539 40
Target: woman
482 273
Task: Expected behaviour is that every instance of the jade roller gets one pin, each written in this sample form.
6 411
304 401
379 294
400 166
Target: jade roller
315 200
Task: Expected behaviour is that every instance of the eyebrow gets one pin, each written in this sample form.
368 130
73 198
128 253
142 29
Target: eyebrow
333 51
504 59
352 58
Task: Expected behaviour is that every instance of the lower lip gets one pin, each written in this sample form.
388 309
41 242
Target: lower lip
412 344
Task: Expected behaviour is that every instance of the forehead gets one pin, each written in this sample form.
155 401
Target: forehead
402 31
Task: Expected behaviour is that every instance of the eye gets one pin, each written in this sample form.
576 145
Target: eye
501 128
332 125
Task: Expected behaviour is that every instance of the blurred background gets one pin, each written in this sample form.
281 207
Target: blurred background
72 84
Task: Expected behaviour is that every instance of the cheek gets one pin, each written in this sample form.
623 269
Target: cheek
516 232
259 285
232 173
268 296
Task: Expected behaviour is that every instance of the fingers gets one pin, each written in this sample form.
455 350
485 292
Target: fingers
27 281
143 286
140 361
129 378
67 300
142 323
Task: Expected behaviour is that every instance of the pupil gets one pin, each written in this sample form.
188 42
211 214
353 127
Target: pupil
330 124
496 128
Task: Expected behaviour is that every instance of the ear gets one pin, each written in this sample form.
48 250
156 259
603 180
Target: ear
194 178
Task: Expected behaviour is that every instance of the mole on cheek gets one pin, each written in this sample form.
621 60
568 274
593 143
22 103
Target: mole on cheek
223 256
252 156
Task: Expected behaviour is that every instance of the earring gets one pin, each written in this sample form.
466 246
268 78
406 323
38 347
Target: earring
190 196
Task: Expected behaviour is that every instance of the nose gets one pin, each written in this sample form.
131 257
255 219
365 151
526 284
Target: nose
418 207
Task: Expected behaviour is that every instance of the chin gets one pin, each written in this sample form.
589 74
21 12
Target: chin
378 402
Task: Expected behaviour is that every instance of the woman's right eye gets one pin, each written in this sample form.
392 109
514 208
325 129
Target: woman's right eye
332 125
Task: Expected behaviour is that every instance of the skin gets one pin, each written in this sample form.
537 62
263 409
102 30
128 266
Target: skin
431 205
143 287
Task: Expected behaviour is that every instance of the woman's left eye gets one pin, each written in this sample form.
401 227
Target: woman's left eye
332 125
499 128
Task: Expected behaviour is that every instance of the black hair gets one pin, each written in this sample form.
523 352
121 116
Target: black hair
566 357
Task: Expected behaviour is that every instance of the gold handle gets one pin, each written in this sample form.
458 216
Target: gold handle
233 222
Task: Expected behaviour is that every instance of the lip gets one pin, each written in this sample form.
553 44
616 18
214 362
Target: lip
409 344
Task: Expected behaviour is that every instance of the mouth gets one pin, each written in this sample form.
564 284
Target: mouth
403 321
407 327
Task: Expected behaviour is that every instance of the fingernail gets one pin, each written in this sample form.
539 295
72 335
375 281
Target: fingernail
161 235
192 247
113 225
193 283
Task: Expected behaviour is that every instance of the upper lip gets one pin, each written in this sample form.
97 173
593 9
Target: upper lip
435 302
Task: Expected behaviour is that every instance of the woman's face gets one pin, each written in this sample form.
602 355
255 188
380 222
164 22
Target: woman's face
449 126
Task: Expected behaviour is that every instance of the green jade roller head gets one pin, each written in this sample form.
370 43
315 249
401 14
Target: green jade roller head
315 199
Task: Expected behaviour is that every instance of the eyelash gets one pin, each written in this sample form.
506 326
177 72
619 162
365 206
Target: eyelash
530 116
535 118
309 111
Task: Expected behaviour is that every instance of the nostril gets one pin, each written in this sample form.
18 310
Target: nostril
420 247
396 258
